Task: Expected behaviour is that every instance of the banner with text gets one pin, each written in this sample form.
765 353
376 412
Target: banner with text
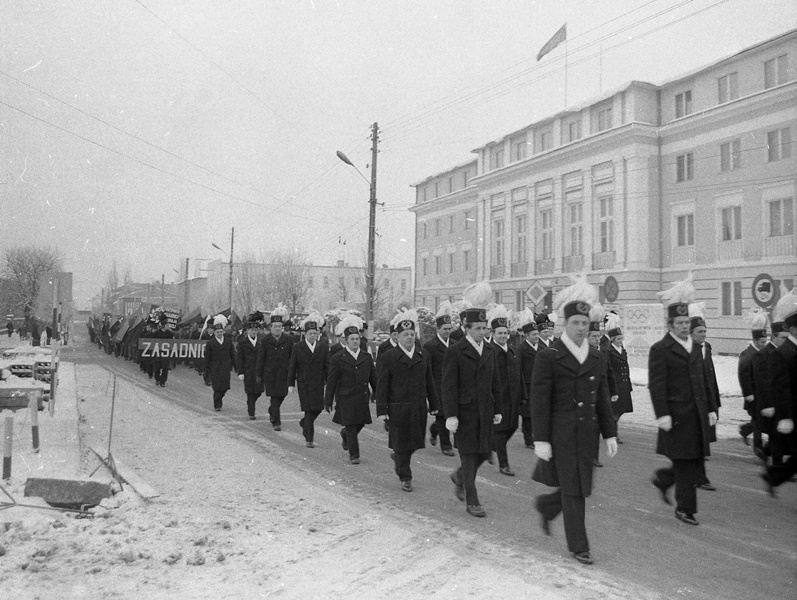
160 348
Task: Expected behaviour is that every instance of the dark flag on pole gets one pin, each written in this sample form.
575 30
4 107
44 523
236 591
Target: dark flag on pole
558 37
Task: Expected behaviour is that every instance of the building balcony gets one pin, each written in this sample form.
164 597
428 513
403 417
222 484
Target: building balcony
781 245
497 271
730 250
520 269
602 260
683 255
573 263
543 267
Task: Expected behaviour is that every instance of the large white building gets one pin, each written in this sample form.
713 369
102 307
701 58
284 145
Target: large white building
635 188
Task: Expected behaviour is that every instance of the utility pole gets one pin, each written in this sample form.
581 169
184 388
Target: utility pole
232 242
163 283
185 291
369 307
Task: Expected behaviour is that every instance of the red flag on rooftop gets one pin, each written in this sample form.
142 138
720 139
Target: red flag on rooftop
558 37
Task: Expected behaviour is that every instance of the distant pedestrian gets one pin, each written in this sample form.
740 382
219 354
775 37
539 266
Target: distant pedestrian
160 371
618 358
528 347
10 328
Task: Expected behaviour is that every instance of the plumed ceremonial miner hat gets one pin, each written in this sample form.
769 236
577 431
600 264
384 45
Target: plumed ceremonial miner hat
475 297
576 299
526 321
678 297
697 318
786 309
443 316
279 314
498 316
757 321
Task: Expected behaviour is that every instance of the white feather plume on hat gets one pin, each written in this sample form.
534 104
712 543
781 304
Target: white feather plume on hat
597 312
697 309
579 291
313 317
681 292
445 309
281 311
498 311
407 314
786 306
477 295
612 321
349 320
756 318
525 317
396 318
220 320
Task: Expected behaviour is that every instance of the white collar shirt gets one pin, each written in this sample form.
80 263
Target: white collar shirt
479 347
580 352
409 353
686 345
309 345
445 342
354 354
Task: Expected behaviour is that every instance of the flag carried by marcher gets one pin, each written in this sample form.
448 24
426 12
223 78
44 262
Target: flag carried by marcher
558 37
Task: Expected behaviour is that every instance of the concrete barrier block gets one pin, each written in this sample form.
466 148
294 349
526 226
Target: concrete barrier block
68 493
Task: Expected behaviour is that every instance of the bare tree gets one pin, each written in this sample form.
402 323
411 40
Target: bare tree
23 266
289 279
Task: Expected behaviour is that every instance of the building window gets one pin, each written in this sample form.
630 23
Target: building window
544 141
779 144
727 88
357 282
683 104
425 266
436 189
326 282
498 236
781 217
437 227
497 297
519 148
731 298
497 157
425 232
466 260
468 219
520 301
606 204
731 223
731 155
385 283
776 71
437 265
546 231
684 166
464 179
403 285
450 184
573 131
450 263
309 282
686 230
451 224
604 118
521 229
576 214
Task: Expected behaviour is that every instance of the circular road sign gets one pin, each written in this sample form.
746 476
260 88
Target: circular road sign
763 290
610 289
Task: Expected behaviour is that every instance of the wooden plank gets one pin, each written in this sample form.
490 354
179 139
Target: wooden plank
131 478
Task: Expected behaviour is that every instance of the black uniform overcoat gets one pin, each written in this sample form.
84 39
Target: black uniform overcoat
622 379
713 387
406 393
348 384
763 387
783 370
569 406
272 364
435 351
677 386
745 374
247 364
471 387
513 388
220 359
527 355
308 371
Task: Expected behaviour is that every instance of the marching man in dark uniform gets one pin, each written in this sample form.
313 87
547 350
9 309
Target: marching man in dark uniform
545 327
351 373
470 390
570 403
747 382
596 316
513 389
272 363
389 344
618 358
248 349
220 361
698 332
308 370
404 387
160 369
783 370
765 394
683 404
528 349
436 349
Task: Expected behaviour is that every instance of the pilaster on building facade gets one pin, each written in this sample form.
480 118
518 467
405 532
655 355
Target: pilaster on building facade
635 188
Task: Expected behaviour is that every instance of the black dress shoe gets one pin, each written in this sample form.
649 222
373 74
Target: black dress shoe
354 461
706 486
459 488
406 486
476 510
252 418
433 440
744 437
277 427
662 491
507 471
491 459
545 524
767 480
448 452
217 408
685 517
585 558
343 442
597 463
619 441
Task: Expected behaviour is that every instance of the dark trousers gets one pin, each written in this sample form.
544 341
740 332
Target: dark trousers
218 396
250 403
573 509
274 409
308 424
161 372
469 465
349 433
525 427
402 460
778 473
438 429
684 474
500 439
754 427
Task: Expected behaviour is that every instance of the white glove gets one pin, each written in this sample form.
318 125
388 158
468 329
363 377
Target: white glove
497 419
290 389
664 423
451 424
749 398
712 419
543 450
615 398
241 376
785 426
611 447
768 412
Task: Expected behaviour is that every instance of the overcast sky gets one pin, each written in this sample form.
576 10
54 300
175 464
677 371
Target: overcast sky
142 131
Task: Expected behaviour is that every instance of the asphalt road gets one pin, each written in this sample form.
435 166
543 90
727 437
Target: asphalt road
744 547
